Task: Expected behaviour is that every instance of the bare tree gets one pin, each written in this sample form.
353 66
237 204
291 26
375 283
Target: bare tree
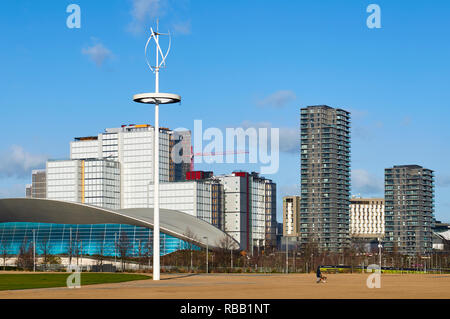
123 247
4 248
45 248
140 253
70 251
25 257
77 249
191 237
147 251
100 256
225 250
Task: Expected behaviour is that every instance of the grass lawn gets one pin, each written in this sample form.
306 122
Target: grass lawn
29 281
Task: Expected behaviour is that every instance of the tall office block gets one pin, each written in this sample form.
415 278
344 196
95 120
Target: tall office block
131 146
91 181
291 216
39 184
271 213
181 157
28 191
325 177
409 209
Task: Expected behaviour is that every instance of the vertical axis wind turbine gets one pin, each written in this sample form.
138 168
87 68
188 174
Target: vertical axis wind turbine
156 98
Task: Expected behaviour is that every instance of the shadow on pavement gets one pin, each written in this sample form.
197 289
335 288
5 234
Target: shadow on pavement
180 276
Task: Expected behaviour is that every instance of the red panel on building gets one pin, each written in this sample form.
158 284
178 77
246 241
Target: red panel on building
241 174
198 175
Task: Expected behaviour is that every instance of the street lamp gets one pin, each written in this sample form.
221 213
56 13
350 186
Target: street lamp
156 98
34 251
287 254
231 257
379 250
115 247
206 253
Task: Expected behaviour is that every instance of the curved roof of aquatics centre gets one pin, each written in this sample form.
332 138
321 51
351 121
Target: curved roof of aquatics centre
172 222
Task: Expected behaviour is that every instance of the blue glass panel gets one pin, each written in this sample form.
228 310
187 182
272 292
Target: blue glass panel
87 239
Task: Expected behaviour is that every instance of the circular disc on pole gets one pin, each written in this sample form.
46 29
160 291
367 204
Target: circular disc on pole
157 98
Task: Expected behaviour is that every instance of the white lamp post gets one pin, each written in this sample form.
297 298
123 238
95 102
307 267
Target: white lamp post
206 253
379 250
156 98
34 251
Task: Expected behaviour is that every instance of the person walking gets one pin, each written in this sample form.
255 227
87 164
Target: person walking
320 277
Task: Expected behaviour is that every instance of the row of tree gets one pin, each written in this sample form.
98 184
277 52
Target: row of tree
225 257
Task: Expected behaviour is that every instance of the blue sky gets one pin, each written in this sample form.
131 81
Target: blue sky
235 63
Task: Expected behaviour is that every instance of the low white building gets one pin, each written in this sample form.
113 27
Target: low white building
367 217
197 198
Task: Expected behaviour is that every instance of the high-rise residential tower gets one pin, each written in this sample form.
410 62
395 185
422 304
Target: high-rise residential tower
325 177
409 210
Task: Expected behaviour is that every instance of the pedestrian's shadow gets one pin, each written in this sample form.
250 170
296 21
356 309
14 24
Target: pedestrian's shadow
181 276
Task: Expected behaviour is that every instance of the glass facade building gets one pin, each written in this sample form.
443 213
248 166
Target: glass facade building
91 239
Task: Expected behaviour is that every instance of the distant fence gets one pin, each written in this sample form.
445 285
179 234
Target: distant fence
387 270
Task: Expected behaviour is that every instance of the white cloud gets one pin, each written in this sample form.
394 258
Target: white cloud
366 184
289 137
278 99
143 10
97 53
19 163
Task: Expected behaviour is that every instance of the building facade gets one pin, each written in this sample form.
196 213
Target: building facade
249 209
198 198
73 229
181 159
271 213
39 184
91 181
114 170
367 217
409 211
131 146
291 216
28 191
325 177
